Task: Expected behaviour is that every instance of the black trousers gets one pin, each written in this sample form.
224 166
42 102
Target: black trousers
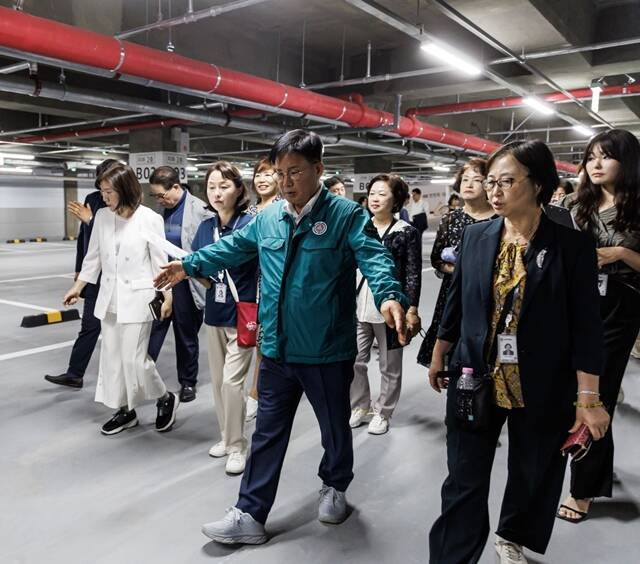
280 387
534 484
88 336
620 309
187 320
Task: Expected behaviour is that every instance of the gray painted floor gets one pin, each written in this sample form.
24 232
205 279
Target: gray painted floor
69 495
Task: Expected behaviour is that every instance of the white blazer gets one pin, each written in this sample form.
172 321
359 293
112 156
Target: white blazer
132 270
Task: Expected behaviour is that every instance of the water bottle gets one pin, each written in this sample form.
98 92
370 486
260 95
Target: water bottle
464 396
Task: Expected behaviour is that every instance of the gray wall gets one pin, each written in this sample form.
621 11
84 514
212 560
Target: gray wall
34 207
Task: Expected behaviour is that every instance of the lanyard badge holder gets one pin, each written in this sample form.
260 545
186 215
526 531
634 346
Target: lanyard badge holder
507 344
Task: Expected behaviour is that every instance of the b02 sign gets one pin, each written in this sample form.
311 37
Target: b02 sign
143 164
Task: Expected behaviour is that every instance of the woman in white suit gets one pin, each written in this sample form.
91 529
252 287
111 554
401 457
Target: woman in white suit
118 248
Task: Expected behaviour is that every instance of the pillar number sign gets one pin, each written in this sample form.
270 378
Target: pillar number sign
143 164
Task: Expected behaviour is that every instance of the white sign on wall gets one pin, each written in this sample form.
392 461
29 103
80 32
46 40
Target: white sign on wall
360 182
143 164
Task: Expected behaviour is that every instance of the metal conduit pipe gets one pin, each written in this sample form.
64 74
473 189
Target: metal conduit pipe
42 37
190 17
438 70
181 116
518 101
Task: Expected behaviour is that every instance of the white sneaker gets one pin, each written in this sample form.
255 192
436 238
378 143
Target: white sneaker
509 552
358 416
252 409
218 450
236 463
237 527
379 425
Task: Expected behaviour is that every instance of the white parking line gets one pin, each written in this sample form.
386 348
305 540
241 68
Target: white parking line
65 275
28 306
36 350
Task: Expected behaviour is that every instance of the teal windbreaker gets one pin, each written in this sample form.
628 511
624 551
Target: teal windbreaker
308 292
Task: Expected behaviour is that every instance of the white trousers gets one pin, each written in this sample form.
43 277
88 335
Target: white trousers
229 365
127 375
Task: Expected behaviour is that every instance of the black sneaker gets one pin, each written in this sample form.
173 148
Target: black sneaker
166 412
187 394
121 420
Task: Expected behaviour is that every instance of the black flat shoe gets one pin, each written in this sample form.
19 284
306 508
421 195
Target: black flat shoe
65 380
187 394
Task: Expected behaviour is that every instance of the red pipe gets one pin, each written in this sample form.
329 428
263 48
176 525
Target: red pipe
98 131
25 32
518 101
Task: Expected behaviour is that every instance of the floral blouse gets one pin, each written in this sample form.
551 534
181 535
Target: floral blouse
509 272
449 234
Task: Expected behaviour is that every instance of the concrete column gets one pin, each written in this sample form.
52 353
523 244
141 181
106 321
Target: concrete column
366 168
70 194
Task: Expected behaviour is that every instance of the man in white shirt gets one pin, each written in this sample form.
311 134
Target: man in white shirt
418 210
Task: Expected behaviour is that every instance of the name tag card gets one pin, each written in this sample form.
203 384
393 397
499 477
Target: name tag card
603 282
221 293
507 349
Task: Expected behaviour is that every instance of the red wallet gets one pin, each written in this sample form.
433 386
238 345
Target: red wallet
578 443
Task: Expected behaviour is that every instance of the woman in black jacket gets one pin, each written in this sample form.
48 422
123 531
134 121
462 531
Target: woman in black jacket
386 193
523 281
607 206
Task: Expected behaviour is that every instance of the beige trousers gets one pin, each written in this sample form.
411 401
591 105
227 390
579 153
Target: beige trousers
390 370
229 365
127 375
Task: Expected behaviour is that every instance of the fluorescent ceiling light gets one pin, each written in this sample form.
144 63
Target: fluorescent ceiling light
192 169
191 159
595 96
441 168
22 169
584 130
539 106
442 180
18 156
447 56
95 161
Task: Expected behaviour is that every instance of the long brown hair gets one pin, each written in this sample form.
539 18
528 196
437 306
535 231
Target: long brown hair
624 147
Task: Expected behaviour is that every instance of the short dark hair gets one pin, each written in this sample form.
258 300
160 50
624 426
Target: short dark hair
124 181
329 182
165 176
454 196
567 186
230 172
362 199
262 164
104 165
416 191
537 158
399 189
299 141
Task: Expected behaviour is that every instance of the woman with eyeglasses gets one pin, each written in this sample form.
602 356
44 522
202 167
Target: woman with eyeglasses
445 247
265 184
228 362
607 206
524 281
121 256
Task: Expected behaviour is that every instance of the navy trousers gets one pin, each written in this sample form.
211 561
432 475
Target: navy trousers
280 387
88 337
187 320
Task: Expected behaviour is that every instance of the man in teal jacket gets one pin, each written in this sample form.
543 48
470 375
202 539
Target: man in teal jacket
309 246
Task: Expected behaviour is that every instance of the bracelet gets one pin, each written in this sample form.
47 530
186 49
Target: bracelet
588 405
589 392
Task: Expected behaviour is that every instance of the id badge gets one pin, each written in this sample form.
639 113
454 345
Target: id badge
603 282
221 293
507 349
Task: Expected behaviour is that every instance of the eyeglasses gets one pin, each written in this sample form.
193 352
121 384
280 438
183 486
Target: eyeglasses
504 183
160 197
265 175
295 175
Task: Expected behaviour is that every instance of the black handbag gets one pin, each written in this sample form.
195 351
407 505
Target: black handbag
155 306
482 402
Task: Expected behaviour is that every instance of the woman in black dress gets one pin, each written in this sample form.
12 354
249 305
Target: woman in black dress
607 205
476 208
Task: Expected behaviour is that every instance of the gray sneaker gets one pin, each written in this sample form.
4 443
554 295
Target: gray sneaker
237 527
333 506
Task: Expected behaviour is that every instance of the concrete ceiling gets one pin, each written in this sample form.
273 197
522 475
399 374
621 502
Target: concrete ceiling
266 40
